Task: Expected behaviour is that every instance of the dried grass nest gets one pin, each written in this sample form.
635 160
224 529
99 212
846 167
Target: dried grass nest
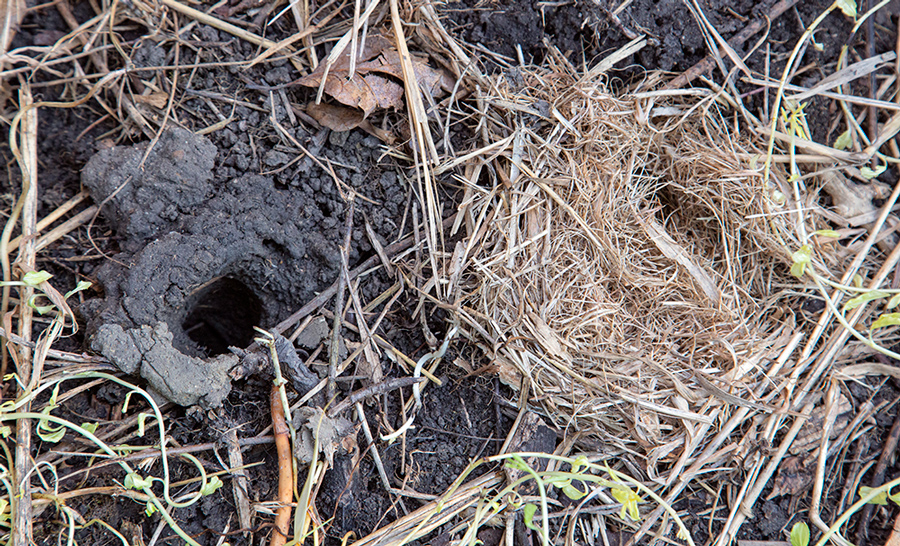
627 266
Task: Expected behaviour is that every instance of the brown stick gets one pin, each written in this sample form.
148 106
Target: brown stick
374 390
239 481
709 61
887 452
334 351
22 530
285 470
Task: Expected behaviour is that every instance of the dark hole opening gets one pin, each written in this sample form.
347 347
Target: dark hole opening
222 314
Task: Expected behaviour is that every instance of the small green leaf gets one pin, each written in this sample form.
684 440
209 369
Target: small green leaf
90 427
49 433
579 463
528 513
880 498
827 233
869 173
895 497
135 481
572 492
150 510
893 302
5 431
887 319
44 430
865 297
857 280
82 285
800 534
847 6
35 278
801 258
41 309
517 463
53 396
211 486
142 419
843 141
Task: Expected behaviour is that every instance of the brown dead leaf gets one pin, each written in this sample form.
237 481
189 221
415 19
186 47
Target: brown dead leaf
377 82
364 92
335 117
434 81
343 118
157 100
795 475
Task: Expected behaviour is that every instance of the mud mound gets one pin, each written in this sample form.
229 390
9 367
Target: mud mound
209 263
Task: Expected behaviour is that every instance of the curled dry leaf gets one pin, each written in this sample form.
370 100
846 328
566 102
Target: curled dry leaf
157 100
343 118
335 117
377 79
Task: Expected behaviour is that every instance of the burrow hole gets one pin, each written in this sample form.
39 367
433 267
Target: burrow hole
222 314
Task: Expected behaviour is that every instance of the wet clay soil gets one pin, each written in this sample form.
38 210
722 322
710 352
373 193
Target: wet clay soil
202 237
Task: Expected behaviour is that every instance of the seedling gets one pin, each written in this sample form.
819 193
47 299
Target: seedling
800 534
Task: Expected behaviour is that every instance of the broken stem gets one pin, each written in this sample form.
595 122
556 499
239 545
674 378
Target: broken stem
335 356
29 372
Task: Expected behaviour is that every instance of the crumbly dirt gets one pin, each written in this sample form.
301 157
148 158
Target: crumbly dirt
201 238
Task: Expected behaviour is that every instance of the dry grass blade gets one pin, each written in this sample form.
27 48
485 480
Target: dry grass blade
423 146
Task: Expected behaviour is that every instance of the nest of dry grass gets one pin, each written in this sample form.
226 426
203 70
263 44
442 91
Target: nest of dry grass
630 247
627 268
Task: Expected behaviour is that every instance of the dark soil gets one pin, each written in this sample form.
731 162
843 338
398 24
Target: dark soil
202 238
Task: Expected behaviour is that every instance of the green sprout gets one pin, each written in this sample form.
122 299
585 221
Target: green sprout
800 534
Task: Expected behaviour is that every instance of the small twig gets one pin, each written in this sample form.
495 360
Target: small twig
374 390
96 56
339 308
59 231
239 482
887 452
285 470
27 371
367 432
